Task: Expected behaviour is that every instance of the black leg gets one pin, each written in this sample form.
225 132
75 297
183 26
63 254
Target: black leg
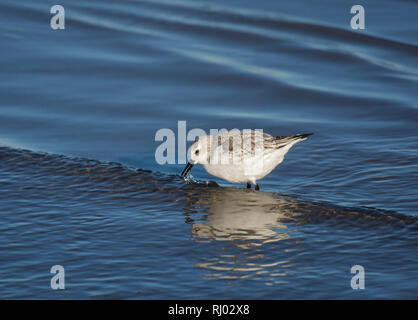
257 187
248 185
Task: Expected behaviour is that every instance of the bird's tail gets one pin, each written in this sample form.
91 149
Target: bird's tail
288 141
302 136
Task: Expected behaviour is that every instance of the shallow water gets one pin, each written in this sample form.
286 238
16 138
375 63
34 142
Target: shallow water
79 110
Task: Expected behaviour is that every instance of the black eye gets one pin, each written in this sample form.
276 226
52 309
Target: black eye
196 152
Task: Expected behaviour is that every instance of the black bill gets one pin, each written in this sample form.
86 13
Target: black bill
186 170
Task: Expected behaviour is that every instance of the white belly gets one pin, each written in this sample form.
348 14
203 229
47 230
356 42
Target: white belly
250 170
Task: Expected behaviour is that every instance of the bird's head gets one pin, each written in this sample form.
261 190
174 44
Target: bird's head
198 153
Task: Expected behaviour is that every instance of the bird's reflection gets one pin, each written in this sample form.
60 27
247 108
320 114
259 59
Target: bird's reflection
234 214
245 229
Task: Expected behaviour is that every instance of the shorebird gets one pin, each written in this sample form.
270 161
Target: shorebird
240 156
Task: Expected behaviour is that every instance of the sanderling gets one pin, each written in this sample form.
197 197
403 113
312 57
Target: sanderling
240 156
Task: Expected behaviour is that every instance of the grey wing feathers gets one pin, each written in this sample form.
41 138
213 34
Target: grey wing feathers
227 144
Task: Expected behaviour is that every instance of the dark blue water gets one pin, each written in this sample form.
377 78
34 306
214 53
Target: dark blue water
80 187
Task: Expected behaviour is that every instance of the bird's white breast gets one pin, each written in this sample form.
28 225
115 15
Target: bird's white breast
248 170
